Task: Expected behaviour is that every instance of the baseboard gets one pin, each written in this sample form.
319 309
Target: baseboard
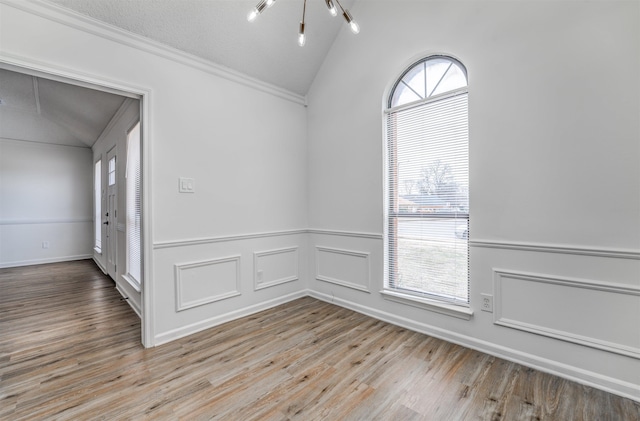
133 305
100 266
585 377
224 318
45 261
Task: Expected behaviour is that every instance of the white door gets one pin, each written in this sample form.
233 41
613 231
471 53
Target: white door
111 216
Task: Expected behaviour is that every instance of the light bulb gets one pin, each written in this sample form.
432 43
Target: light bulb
332 8
301 38
355 28
270 3
253 14
257 10
352 23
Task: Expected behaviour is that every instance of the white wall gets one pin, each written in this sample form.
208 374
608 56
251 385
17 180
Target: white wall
266 169
242 141
555 175
45 196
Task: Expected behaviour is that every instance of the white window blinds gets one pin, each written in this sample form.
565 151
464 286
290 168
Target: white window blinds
134 206
428 198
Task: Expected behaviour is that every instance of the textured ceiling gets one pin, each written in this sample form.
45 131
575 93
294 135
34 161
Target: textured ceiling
42 110
217 30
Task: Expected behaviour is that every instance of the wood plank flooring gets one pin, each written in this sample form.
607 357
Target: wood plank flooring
70 350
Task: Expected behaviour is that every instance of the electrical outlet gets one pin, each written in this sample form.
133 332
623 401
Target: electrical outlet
45 244
487 303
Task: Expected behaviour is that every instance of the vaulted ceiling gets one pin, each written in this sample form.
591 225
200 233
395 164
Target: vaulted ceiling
42 110
218 30
46 111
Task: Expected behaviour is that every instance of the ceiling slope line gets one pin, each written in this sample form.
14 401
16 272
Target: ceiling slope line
36 94
104 30
36 142
114 119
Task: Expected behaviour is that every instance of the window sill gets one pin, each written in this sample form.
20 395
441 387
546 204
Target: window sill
135 284
432 305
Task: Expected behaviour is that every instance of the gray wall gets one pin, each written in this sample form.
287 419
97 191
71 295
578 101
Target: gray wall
555 176
45 196
286 195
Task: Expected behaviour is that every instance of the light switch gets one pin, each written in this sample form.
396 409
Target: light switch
186 185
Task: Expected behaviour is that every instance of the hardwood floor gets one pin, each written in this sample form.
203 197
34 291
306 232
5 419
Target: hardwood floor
70 350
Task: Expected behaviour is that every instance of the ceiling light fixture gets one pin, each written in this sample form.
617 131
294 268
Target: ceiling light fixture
264 4
331 7
301 37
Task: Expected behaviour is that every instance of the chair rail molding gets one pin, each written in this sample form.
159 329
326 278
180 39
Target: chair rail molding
568 295
225 238
558 248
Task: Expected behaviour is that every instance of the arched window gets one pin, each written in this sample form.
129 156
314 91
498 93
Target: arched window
427 184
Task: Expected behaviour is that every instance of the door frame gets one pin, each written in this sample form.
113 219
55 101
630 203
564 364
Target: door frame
111 216
143 94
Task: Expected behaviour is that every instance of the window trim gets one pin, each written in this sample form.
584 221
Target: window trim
97 213
437 306
410 66
127 276
423 301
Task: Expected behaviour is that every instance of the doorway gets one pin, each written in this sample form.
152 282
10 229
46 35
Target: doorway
108 238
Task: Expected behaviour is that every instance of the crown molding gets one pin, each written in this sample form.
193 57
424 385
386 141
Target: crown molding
93 26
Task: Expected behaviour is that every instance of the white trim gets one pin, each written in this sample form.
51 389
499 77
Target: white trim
224 318
75 77
45 221
592 342
585 377
180 305
29 66
424 303
100 265
418 103
239 237
408 64
148 324
129 301
558 248
256 255
341 282
222 239
366 235
104 30
45 261
145 95
131 281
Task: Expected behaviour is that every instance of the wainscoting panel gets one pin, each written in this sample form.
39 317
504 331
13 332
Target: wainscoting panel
343 267
595 314
274 267
205 282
